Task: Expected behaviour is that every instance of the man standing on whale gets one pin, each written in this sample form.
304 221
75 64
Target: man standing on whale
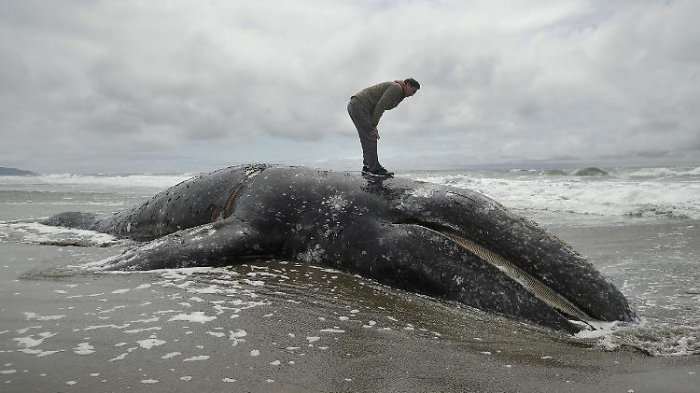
367 107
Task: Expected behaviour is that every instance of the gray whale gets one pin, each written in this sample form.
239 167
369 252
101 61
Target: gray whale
447 242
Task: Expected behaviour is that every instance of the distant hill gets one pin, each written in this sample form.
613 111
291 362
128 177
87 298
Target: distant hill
15 172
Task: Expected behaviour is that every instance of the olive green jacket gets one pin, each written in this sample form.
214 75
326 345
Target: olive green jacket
381 97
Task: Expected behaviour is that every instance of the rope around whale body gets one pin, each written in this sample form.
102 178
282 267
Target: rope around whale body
542 291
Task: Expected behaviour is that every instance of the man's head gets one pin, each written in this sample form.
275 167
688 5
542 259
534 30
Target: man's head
411 86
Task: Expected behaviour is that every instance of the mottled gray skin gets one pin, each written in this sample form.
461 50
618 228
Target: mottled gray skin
393 230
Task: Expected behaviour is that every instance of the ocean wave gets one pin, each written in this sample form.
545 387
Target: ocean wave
591 171
110 181
540 172
651 211
35 233
602 197
651 339
111 204
664 172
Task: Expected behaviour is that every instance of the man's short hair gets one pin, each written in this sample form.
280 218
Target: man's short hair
412 82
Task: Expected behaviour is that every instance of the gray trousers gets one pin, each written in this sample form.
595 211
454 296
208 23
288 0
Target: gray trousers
365 129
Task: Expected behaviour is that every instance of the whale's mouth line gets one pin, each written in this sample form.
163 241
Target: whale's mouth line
541 290
532 284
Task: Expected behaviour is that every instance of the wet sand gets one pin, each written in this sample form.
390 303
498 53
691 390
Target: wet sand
277 326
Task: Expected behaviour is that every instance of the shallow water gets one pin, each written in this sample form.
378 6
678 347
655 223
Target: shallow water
656 267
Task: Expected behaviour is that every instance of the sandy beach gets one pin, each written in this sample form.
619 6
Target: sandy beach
283 326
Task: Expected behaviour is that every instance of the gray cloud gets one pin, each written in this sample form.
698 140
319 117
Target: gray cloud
179 86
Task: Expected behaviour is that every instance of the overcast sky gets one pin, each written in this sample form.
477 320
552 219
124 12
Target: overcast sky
187 86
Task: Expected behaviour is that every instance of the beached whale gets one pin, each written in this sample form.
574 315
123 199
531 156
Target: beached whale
447 242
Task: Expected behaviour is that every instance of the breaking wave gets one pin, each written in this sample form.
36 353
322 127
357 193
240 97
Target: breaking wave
593 195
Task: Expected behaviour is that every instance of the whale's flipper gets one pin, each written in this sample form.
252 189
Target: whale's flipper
206 245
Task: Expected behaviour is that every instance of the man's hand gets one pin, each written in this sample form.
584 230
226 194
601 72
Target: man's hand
375 132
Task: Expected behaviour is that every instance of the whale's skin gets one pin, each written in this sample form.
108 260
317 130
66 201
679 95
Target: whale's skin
396 231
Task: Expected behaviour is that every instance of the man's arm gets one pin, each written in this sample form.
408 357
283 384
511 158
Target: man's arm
391 97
